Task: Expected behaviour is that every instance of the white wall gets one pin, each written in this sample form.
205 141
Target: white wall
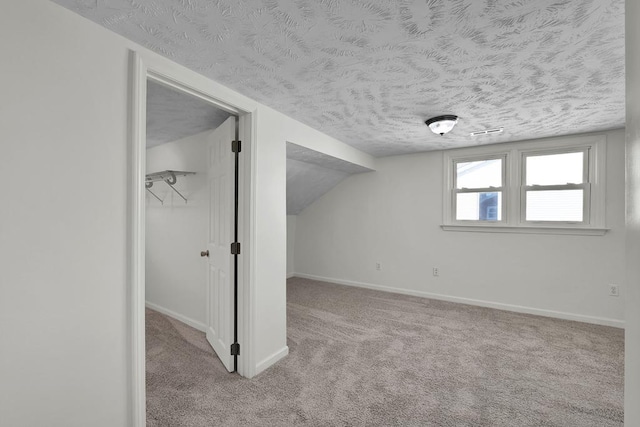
63 239
393 216
291 241
63 295
632 332
176 232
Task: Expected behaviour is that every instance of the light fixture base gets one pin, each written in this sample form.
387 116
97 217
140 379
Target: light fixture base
442 124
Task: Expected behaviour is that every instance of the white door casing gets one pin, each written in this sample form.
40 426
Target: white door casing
145 66
220 179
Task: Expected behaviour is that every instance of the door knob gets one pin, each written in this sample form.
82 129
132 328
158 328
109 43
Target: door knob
204 253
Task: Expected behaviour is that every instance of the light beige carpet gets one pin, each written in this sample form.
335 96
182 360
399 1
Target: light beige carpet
367 358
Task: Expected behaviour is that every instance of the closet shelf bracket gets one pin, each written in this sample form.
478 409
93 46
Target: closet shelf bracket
170 177
148 185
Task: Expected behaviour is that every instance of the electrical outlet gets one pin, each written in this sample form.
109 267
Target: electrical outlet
378 266
614 291
436 271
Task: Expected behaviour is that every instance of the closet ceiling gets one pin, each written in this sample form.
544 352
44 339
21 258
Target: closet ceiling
369 72
172 115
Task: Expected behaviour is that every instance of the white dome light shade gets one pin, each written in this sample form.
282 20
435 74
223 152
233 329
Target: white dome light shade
442 124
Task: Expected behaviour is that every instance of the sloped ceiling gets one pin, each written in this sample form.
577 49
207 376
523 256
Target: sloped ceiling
310 174
369 72
307 182
172 115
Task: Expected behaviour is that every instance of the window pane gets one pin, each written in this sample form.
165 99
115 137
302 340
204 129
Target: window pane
479 206
480 174
555 205
555 169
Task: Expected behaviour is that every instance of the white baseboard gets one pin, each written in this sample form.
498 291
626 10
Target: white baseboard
497 305
269 361
290 275
184 319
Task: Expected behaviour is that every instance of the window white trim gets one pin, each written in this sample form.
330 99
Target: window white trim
583 231
585 185
513 193
502 189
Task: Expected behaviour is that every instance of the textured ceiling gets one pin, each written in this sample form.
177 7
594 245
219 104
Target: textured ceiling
172 115
369 72
310 174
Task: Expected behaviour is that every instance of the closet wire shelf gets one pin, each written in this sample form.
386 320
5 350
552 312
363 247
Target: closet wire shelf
170 177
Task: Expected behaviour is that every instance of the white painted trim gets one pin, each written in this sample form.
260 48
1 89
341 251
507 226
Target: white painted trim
290 275
274 358
247 130
167 81
584 231
469 301
136 238
177 316
512 216
145 65
168 71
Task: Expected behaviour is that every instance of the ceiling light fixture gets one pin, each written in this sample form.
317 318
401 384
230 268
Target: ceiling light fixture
442 124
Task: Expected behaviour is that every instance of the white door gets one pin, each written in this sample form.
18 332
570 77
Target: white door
221 175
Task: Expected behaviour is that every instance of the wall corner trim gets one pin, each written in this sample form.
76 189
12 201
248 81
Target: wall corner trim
489 304
271 360
179 317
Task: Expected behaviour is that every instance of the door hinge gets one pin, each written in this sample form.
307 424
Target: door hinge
235 349
235 248
236 146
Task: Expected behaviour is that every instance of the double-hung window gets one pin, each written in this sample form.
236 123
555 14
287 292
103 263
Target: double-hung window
555 185
479 186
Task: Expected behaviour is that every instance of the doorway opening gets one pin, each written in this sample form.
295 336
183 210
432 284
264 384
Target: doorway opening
191 215
191 231
190 219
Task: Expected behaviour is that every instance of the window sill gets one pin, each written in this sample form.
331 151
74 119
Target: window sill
576 231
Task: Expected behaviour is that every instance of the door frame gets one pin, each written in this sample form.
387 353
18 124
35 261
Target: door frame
146 66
